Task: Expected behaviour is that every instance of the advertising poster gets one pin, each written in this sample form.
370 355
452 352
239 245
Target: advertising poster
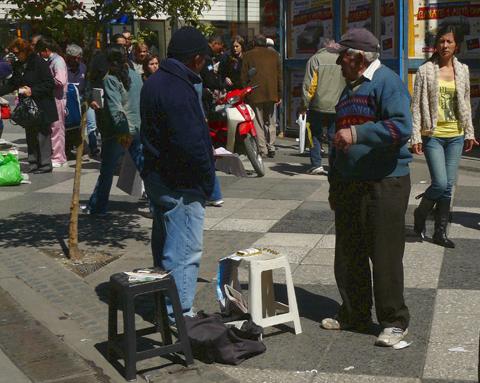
269 18
295 92
359 14
427 16
387 29
310 20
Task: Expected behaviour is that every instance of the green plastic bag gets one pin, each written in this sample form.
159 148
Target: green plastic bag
10 173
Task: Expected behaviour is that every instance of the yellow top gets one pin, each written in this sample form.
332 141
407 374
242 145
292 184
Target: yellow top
447 125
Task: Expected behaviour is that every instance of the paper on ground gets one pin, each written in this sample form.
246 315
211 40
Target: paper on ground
458 349
402 344
221 151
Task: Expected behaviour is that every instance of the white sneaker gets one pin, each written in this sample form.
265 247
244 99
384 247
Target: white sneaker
217 203
391 336
318 171
58 164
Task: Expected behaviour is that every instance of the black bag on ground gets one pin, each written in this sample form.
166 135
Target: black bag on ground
212 341
26 113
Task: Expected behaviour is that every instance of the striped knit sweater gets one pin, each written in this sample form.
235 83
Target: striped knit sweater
379 111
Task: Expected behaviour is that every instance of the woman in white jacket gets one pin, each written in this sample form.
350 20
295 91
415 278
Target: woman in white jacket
442 128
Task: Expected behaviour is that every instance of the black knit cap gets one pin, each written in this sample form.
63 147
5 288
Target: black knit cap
187 42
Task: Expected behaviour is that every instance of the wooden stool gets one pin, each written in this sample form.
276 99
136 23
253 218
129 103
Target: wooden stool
122 295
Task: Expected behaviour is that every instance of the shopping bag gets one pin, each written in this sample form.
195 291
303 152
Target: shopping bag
5 111
26 113
73 113
302 127
10 173
129 180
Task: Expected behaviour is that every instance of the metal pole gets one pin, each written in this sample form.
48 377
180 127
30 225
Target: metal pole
283 54
402 40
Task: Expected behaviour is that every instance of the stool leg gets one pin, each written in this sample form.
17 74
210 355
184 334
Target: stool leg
268 294
254 297
112 323
162 316
180 322
130 339
292 299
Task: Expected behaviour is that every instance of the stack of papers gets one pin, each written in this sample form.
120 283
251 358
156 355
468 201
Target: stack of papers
146 275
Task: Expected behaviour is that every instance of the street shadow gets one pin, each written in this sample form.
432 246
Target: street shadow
20 141
466 219
475 153
90 165
310 305
143 344
290 169
411 236
46 230
286 146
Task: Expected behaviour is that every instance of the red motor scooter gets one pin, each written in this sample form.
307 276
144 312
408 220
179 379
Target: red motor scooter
231 126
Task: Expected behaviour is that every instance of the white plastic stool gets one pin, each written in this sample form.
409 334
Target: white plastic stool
262 306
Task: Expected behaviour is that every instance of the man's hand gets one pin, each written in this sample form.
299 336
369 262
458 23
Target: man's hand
94 105
25 90
343 139
469 144
125 140
417 149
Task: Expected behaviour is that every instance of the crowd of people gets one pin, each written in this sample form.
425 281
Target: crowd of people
158 111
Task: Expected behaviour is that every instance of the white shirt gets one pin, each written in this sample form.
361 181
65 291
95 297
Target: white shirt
372 68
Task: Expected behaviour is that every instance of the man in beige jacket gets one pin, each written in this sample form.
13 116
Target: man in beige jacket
268 77
322 86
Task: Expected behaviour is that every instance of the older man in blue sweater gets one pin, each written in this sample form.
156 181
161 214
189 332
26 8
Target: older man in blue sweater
179 170
369 190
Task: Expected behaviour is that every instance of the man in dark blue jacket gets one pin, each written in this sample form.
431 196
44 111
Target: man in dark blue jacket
179 170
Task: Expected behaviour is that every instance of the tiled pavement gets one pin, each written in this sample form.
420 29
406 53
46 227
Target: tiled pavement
286 211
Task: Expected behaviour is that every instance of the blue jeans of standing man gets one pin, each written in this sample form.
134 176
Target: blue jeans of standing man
443 156
217 191
111 153
177 236
317 122
91 130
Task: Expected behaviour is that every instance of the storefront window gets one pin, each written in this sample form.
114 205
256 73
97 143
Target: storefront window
307 22
248 18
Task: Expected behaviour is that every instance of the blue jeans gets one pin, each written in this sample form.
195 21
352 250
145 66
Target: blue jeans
217 191
91 129
443 156
177 236
318 121
111 153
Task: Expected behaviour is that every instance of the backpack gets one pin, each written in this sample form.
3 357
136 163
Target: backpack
73 113
212 341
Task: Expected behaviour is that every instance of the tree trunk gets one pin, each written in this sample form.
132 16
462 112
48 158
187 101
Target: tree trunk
73 250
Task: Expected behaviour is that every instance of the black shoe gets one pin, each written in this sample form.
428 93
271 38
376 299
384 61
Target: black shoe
421 213
32 168
43 170
271 153
442 215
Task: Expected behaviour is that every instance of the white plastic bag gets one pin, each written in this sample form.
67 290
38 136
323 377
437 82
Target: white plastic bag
302 132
